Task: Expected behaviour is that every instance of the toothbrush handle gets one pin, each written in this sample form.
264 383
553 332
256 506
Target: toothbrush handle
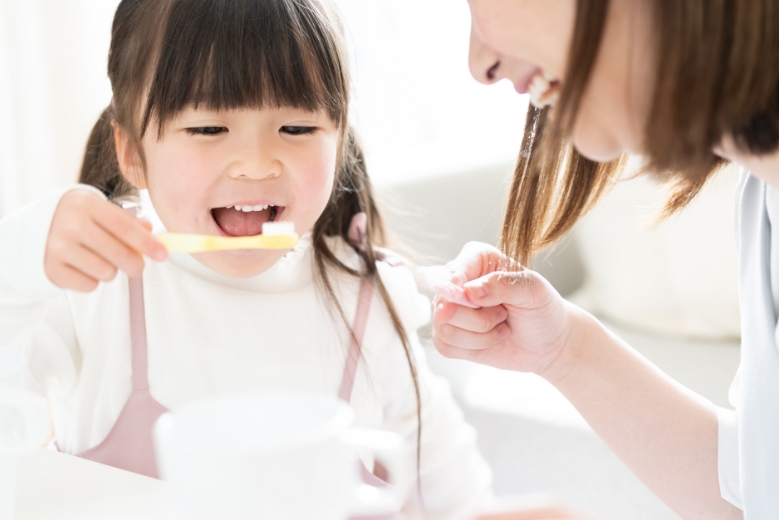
200 243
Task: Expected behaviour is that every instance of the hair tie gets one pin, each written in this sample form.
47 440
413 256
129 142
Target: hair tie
358 232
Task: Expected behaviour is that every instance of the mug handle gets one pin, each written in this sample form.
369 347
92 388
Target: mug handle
28 427
393 452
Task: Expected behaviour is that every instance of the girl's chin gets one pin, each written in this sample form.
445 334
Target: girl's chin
245 263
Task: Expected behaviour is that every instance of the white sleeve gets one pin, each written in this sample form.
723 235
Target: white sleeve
24 287
455 479
727 457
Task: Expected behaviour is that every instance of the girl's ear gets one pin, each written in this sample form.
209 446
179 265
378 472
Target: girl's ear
128 157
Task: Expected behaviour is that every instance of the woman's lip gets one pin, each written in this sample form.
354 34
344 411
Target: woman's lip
522 86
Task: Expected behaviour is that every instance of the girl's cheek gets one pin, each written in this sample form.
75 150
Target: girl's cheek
177 183
316 186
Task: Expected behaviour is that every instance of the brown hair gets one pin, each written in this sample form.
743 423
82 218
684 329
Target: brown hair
717 75
226 54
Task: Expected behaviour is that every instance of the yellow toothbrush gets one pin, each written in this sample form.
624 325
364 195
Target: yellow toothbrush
275 235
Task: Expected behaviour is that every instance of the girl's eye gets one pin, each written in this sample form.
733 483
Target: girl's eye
206 130
298 130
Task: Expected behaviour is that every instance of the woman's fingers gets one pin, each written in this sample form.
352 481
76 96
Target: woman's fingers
535 514
523 289
466 339
530 508
476 320
451 352
475 260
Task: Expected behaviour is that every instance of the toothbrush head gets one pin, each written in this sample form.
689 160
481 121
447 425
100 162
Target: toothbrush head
278 228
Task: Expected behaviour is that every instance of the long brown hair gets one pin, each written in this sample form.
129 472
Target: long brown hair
167 55
717 75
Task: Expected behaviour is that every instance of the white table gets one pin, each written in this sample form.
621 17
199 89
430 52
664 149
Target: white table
63 487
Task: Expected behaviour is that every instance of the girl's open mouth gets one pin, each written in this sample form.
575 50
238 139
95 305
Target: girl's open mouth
245 221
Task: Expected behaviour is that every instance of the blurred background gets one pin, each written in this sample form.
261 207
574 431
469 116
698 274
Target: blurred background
440 148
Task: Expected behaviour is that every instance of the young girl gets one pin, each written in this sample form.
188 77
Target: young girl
226 114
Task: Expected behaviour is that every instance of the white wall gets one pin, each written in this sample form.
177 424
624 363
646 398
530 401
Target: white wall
417 107
53 86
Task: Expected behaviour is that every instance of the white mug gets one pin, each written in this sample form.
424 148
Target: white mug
11 368
282 456
24 426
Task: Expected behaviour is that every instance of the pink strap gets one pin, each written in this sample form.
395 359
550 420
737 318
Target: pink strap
138 335
355 345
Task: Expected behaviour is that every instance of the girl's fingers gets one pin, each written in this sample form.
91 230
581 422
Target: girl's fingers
132 232
114 251
475 320
90 264
68 277
466 339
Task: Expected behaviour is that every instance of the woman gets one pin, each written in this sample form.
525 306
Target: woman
688 84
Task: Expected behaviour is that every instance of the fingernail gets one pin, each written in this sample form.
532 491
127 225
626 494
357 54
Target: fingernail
505 332
477 290
160 255
502 315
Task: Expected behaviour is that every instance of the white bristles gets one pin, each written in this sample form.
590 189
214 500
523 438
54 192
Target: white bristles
278 228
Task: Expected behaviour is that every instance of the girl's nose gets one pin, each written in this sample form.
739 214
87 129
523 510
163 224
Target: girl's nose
482 60
256 166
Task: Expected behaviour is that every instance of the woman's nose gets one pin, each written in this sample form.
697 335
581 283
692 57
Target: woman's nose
482 60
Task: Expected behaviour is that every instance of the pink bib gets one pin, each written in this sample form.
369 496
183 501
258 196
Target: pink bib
129 444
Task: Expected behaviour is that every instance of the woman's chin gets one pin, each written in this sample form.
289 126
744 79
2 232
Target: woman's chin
596 148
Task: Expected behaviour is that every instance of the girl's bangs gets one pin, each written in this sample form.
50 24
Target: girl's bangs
229 54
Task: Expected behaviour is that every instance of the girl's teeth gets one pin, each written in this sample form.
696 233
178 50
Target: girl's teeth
247 209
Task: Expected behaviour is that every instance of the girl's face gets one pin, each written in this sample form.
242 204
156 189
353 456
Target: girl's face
520 39
278 163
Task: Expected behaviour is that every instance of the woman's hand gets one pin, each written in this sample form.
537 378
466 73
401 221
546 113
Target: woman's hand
530 508
91 239
523 325
536 513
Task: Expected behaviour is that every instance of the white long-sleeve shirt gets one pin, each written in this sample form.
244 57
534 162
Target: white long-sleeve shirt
749 438
210 335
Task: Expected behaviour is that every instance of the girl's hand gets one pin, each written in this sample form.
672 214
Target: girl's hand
523 325
91 239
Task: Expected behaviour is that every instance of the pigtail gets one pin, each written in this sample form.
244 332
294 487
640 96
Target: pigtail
101 167
352 195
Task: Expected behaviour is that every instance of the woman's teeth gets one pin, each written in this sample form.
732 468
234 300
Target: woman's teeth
247 209
544 90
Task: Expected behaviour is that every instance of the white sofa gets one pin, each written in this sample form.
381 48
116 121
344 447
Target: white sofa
668 290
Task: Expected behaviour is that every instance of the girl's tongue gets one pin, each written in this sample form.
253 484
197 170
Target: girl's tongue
239 223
